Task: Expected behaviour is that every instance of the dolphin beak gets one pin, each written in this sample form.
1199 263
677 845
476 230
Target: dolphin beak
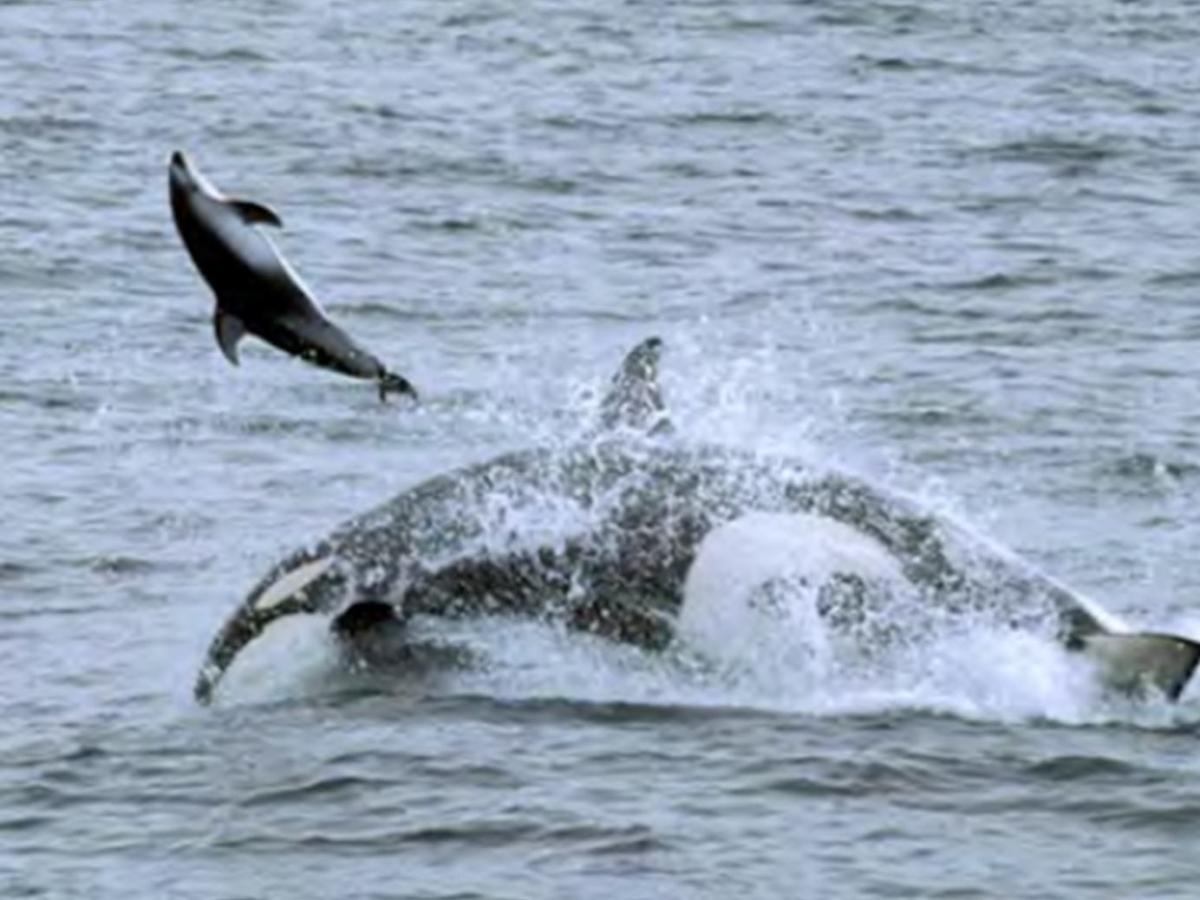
179 165
180 172
186 177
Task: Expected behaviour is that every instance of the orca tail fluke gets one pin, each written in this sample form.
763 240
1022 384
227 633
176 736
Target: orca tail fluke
1140 662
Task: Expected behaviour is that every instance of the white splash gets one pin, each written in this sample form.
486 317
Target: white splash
751 635
293 656
739 591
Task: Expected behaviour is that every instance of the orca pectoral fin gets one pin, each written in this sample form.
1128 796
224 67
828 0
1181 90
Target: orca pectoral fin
1131 663
253 213
364 617
371 633
229 329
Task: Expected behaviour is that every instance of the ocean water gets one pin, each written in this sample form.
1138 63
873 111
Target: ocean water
951 246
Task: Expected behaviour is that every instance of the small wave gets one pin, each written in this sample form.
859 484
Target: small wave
336 788
271 425
14 571
965 414
452 224
118 565
1149 467
577 122
1055 314
805 787
887 214
389 169
1051 151
50 396
902 65
1178 821
76 754
1153 108
230 55
43 611
478 834
735 118
896 19
1185 278
43 796
376 309
379 111
483 833
891 63
615 712
25 823
837 779
46 126
1076 768
550 184
627 846
685 169
497 832
998 281
909 306
484 167
471 18
738 21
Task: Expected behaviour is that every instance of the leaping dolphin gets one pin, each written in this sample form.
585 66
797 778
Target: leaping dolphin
256 290
632 513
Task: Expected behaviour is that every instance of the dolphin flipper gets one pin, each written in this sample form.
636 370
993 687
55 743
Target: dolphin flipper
634 400
230 329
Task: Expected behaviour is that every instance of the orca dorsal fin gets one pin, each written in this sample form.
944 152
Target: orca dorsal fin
254 213
229 329
634 400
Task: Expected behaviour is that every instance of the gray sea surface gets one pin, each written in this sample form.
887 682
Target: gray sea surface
949 245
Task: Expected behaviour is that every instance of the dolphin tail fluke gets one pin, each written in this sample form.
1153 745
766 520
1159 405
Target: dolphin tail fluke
634 399
1134 663
391 383
229 329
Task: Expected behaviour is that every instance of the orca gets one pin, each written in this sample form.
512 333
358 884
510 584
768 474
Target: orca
257 292
605 533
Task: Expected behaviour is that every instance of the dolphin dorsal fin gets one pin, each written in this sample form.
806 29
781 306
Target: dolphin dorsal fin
253 213
229 329
634 400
